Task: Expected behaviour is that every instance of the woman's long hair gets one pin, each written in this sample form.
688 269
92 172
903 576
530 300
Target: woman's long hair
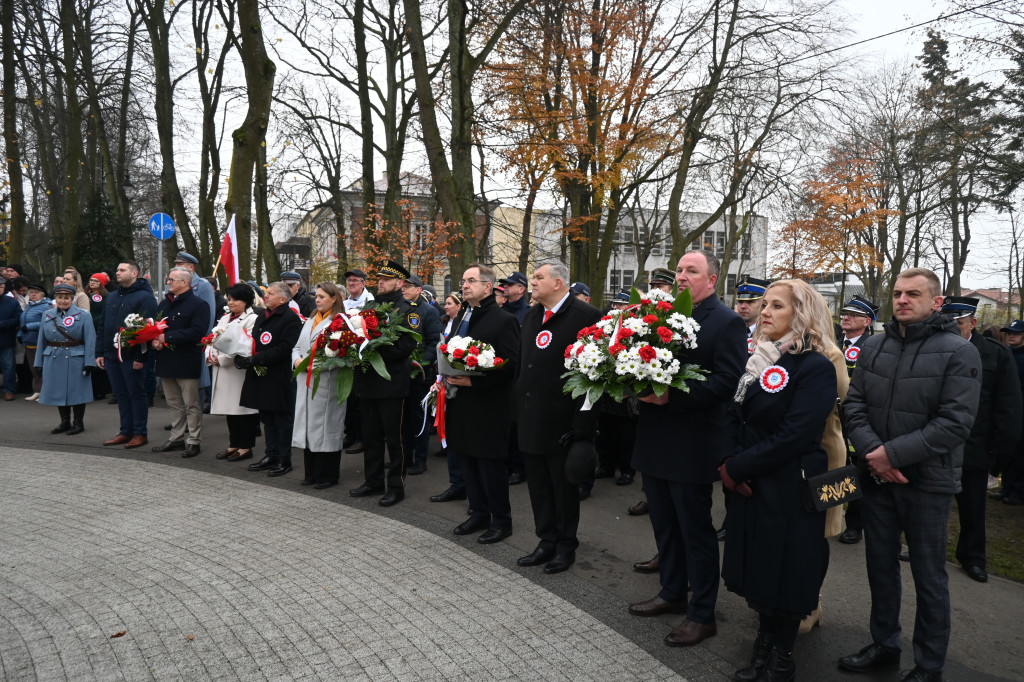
332 289
811 321
77 277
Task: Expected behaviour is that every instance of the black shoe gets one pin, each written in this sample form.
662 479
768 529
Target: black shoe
515 478
872 657
355 448
417 469
76 429
604 473
113 400
905 556
265 463
62 427
539 556
977 573
560 563
494 534
779 667
322 486
365 491
169 446
584 493
239 455
307 481
921 675
281 469
472 525
168 427
626 479
391 498
762 649
449 495
191 450
721 534
850 536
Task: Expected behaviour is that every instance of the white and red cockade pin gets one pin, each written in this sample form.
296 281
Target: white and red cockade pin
852 353
68 321
751 345
544 339
265 338
774 379
97 298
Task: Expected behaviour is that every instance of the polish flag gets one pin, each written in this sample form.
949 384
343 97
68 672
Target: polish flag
229 253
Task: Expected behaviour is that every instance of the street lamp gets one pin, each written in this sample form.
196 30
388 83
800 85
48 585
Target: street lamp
945 269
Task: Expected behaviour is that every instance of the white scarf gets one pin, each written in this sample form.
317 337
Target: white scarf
767 354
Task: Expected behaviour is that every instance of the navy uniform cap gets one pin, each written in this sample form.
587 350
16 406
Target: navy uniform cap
1017 327
579 288
184 257
515 278
290 276
750 288
621 297
64 289
859 305
662 276
959 306
392 270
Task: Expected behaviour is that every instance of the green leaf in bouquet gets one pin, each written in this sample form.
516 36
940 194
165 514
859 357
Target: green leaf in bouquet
377 362
316 382
616 391
595 393
683 303
345 376
634 296
659 389
302 366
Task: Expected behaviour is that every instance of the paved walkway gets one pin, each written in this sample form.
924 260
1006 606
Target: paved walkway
210 577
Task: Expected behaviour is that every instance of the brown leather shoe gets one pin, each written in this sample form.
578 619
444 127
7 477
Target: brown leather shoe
117 440
689 633
649 566
135 442
638 509
656 607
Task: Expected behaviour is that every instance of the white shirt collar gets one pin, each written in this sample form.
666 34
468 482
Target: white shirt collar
558 305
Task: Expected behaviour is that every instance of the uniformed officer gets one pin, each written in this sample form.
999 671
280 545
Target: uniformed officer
858 315
425 321
66 352
663 278
749 292
995 434
581 291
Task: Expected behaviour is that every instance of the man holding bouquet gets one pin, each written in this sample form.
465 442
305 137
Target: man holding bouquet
478 418
681 439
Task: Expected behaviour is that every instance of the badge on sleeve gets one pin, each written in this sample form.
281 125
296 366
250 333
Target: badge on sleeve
774 379
544 339
852 353
414 320
96 298
265 338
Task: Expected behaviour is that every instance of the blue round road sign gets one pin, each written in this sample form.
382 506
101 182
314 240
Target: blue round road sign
161 226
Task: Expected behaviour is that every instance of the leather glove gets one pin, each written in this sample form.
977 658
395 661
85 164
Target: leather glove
24 330
742 488
87 371
572 436
243 362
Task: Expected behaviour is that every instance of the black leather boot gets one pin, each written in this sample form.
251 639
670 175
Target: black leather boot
779 667
78 425
65 420
762 647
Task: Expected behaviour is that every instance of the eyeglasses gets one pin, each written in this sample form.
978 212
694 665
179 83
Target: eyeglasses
471 280
172 279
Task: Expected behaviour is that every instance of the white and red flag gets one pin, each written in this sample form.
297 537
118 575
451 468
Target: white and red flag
229 253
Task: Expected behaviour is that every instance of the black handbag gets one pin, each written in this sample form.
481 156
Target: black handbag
832 488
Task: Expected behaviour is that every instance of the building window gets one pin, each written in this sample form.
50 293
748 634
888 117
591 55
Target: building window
620 279
730 284
624 239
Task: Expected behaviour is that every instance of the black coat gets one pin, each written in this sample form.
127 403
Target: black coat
425 320
775 550
273 338
397 357
684 439
478 419
122 302
306 301
543 412
188 318
997 426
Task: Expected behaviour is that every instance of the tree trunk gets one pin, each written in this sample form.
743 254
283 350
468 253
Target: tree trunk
16 242
70 184
271 263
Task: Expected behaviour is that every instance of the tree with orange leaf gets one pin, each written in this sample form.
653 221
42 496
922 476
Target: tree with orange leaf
422 244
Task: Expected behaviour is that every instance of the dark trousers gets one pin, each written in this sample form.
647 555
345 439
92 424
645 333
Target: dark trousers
100 383
322 467
970 502
687 544
242 430
514 460
353 420
853 517
1013 474
891 510
382 426
412 421
456 479
277 433
487 489
614 442
132 404
555 502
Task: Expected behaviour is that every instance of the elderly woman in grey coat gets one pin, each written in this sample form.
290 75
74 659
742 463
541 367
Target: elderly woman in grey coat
66 352
319 420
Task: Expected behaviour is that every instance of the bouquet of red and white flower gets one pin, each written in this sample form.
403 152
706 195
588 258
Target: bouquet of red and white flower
469 355
138 330
635 351
351 342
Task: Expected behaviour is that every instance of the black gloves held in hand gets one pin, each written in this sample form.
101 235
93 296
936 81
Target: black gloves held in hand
243 362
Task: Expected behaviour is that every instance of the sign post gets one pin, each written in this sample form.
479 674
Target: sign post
161 226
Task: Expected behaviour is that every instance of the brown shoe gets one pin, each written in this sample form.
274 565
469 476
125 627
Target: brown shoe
638 509
135 442
689 633
649 566
8 396
117 440
656 607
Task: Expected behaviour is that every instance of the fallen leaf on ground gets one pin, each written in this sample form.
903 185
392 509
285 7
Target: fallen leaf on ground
191 637
119 634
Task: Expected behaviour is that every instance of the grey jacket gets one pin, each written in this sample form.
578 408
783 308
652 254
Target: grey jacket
916 395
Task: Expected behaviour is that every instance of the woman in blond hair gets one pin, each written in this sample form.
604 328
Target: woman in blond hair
776 554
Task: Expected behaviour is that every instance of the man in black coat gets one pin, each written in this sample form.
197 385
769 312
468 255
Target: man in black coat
1012 465
302 299
548 420
996 431
425 320
478 417
681 438
268 385
179 360
382 401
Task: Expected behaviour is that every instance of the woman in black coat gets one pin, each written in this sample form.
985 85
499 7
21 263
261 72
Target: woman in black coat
775 549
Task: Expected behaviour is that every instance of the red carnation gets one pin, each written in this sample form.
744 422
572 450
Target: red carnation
498 362
665 333
374 334
625 333
650 319
334 344
606 317
583 332
458 353
647 353
342 352
472 361
645 301
473 350
598 335
568 351
579 351
663 306
616 348
443 347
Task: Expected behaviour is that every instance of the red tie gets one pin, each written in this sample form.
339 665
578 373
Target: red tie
547 316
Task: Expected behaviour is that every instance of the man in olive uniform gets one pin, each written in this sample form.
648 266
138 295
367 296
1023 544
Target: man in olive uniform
663 279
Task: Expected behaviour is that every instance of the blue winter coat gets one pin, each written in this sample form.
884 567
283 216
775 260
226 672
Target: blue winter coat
31 316
10 317
64 381
188 319
122 302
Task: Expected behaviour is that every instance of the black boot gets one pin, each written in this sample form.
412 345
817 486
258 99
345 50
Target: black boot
779 667
762 647
65 419
78 425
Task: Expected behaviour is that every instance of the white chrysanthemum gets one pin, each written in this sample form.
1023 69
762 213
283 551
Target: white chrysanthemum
330 353
659 295
356 320
637 325
335 336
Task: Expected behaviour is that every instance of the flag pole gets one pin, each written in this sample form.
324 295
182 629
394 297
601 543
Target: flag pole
216 265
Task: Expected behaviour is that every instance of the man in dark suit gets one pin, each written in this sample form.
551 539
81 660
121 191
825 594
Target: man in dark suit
548 420
681 438
479 415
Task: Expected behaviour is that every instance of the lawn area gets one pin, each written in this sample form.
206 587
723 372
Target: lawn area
1004 541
